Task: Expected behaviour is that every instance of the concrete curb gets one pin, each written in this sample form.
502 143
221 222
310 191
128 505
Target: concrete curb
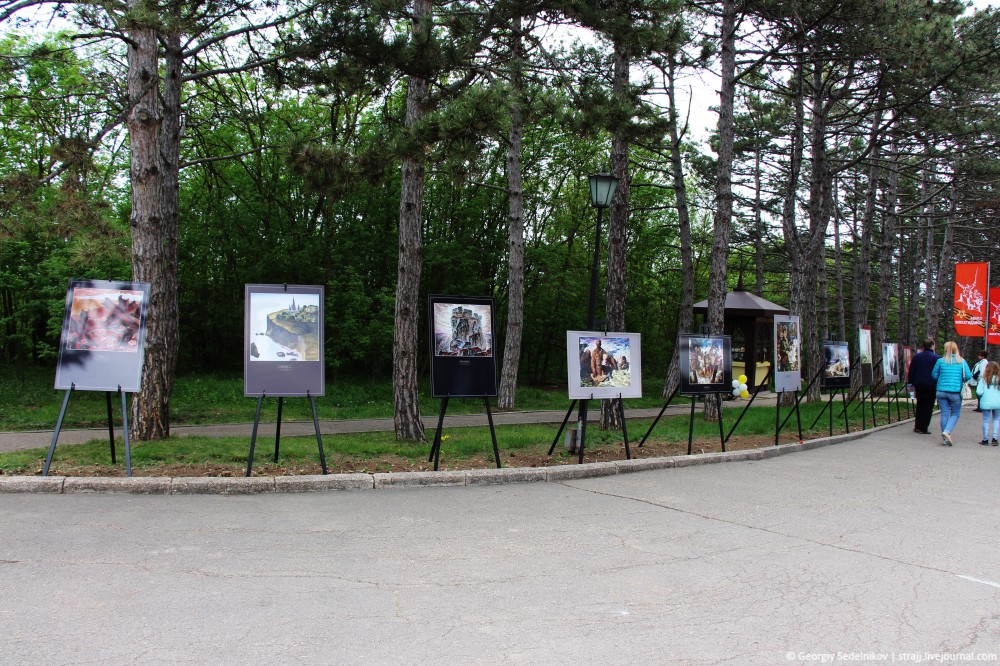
345 482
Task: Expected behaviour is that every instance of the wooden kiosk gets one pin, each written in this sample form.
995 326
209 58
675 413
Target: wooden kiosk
749 321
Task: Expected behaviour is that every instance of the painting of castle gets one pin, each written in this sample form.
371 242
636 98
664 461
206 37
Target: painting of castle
463 329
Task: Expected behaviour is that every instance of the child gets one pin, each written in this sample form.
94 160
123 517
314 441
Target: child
988 390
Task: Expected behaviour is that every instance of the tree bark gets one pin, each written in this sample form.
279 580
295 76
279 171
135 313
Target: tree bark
793 242
722 226
758 223
930 263
945 268
515 235
617 234
686 316
841 333
153 221
887 242
405 394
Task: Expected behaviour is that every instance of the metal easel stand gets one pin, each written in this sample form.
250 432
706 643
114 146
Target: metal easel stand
582 430
722 437
277 433
658 417
111 431
746 407
435 455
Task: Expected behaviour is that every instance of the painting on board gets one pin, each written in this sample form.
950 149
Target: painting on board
787 353
463 362
836 365
706 363
890 362
603 365
283 340
103 336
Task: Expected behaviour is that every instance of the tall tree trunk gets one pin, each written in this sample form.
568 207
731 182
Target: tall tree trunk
823 295
841 332
758 223
862 262
515 234
406 398
153 223
797 298
930 262
944 284
916 263
617 232
820 190
722 226
686 316
887 240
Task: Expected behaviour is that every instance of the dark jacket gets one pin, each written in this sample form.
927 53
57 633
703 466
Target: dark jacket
921 367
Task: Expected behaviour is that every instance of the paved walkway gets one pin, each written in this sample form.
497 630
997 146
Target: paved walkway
878 550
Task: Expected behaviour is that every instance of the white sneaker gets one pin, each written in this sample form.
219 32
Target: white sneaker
947 438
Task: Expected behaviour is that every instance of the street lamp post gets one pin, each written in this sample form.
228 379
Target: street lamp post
602 191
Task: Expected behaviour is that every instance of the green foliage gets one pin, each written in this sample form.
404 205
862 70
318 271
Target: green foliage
56 215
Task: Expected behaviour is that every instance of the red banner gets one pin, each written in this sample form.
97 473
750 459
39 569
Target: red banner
994 336
971 283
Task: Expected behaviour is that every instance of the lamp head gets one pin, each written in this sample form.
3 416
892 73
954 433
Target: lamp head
602 189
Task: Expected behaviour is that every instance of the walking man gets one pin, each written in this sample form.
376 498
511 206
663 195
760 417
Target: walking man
924 386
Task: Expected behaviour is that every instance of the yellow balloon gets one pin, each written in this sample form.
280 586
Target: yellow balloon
745 394
743 379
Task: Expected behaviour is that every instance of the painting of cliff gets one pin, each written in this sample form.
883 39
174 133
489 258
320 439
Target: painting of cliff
284 327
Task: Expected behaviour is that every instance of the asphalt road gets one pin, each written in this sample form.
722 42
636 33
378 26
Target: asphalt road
878 550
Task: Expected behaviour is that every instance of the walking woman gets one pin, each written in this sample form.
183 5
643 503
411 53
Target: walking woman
988 390
950 371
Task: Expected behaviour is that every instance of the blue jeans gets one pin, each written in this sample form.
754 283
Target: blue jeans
991 415
951 405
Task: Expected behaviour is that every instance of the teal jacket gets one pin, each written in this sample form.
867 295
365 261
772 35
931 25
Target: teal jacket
951 376
990 394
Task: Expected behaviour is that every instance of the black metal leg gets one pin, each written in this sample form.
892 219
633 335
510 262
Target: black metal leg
319 436
691 427
798 418
253 437
847 422
111 426
871 395
277 430
493 432
777 416
565 420
658 417
55 435
864 422
831 411
584 410
437 433
621 412
128 448
722 437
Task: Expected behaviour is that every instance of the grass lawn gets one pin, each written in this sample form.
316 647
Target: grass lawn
462 448
28 401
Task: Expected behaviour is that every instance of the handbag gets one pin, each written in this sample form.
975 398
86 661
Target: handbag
967 386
